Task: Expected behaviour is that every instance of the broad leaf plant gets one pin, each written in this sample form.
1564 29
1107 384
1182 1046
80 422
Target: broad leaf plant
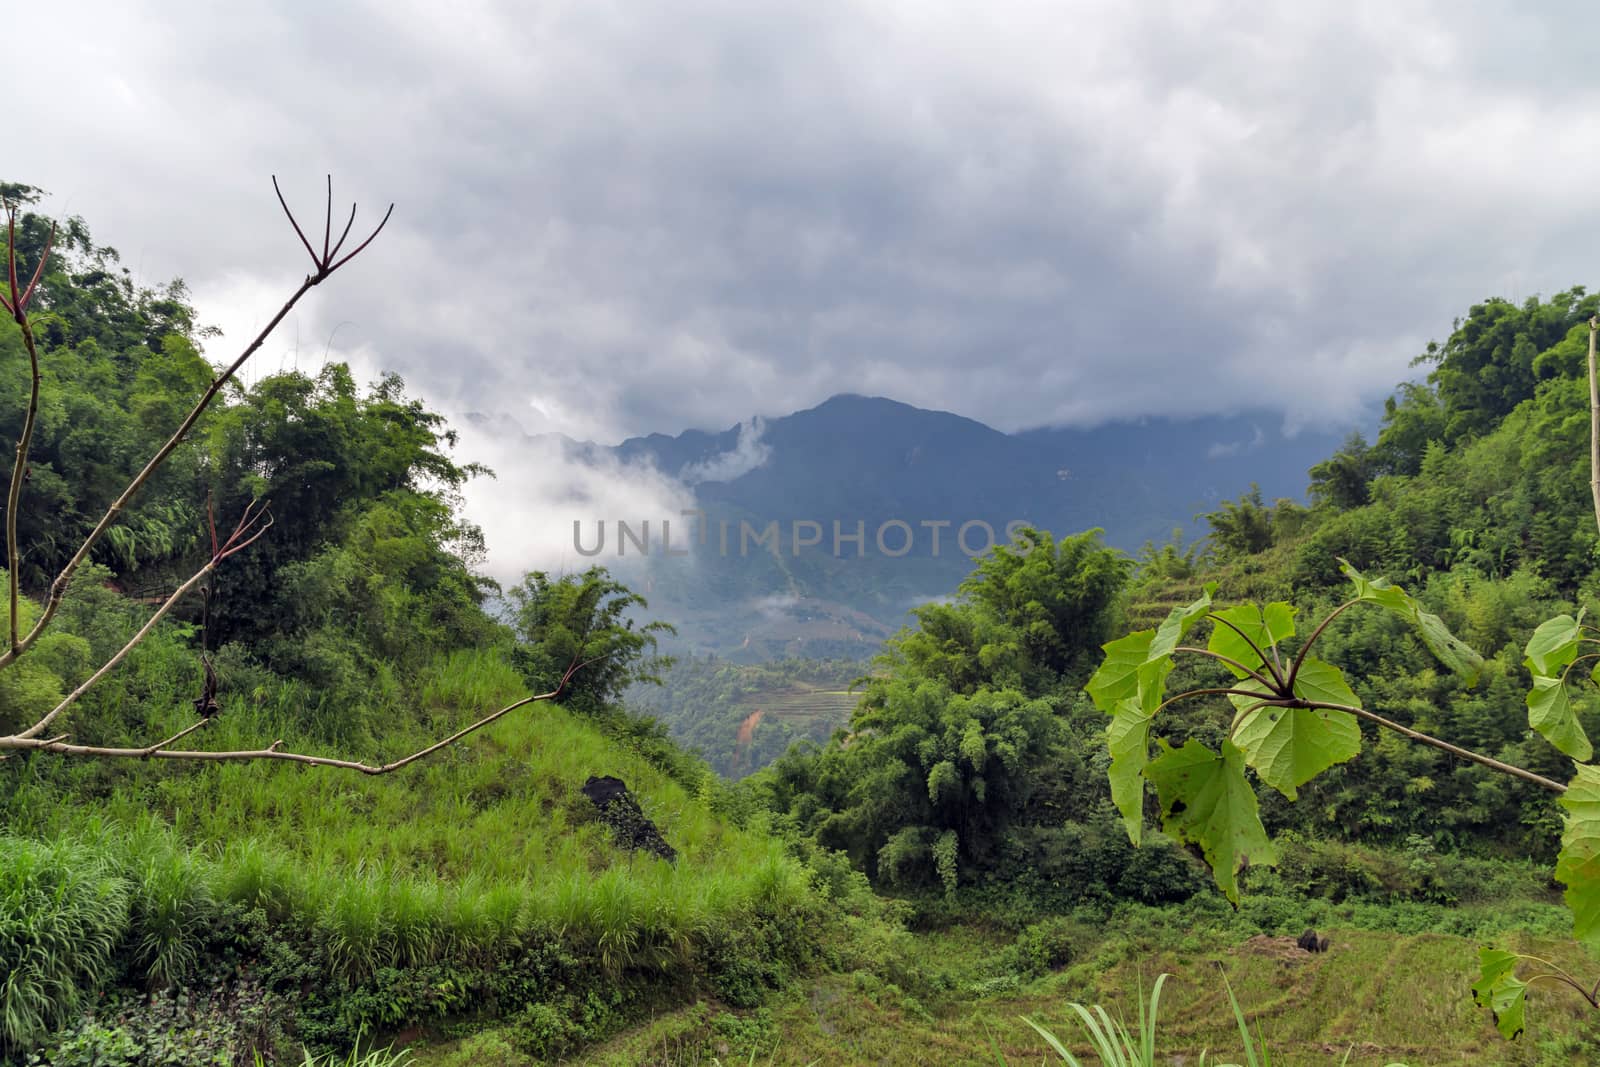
1296 715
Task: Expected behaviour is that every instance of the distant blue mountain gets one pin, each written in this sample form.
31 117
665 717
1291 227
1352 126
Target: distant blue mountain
870 461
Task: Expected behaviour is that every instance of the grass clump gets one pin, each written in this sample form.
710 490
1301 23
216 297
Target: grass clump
62 917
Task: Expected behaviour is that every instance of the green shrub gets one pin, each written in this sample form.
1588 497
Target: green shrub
168 1029
1044 947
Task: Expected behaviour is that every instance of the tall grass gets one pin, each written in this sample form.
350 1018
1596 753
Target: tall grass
62 915
464 860
1111 1039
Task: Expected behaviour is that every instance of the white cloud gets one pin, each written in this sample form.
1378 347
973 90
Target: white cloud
641 217
542 487
748 453
1228 449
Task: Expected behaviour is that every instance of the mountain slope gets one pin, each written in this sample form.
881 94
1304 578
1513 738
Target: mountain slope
847 467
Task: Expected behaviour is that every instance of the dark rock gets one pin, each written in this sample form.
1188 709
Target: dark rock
630 828
1311 942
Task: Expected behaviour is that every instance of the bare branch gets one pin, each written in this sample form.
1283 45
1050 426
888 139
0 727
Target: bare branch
1274 685
1444 746
1259 651
351 221
1594 419
1305 649
275 750
111 664
151 750
18 307
252 525
292 222
370 238
327 221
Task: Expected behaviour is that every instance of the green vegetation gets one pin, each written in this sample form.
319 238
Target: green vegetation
881 862
740 717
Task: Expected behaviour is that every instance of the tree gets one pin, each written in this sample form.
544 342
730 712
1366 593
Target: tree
1240 527
1341 480
149 322
588 619
961 745
1487 365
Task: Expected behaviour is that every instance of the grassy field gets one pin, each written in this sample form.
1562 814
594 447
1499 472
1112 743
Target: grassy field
452 872
423 896
1381 997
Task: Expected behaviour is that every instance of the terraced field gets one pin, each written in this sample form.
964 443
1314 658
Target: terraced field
802 705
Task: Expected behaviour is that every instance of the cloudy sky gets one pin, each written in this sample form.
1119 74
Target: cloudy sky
620 217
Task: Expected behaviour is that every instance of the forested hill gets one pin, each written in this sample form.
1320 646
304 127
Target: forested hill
172 911
1475 496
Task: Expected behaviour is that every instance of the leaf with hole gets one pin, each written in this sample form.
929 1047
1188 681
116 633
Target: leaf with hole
1500 990
1206 801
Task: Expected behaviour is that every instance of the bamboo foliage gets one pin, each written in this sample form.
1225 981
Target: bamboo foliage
44 734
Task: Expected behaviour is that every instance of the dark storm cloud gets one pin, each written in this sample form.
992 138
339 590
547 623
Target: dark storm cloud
623 217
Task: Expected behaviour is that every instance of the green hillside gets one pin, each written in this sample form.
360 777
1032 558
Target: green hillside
887 861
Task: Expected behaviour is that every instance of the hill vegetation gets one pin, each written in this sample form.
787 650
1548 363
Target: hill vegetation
934 848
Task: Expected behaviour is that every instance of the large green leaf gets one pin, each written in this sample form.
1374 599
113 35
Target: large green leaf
1578 865
1451 650
1118 676
1550 712
1554 645
1550 651
1138 664
1500 990
1263 627
1128 738
1206 800
1290 746
1323 682
1180 621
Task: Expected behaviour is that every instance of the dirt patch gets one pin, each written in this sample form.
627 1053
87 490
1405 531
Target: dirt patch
747 728
1277 948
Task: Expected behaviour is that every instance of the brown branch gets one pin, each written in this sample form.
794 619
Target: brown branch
1594 420
1444 746
1559 974
1259 651
18 307
275 751
1274 683
111 664
1305 649
151 750
362 246
1264 698
245 533
19 471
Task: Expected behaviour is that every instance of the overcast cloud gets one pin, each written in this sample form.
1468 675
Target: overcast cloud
617 218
